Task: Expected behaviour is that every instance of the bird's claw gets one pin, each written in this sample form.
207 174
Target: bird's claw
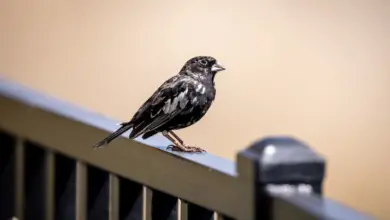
171 147
188 149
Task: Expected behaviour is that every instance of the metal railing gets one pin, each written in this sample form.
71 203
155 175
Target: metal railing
48 170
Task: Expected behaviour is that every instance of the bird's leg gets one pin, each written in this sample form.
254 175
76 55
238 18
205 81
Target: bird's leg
189 148
179 144
176 136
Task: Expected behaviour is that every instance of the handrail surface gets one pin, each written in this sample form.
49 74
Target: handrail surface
48 103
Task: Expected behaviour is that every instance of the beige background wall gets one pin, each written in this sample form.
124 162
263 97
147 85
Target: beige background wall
316 70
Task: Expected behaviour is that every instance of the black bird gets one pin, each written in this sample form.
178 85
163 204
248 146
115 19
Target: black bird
179 102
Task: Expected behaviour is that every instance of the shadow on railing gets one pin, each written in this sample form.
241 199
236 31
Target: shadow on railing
48 170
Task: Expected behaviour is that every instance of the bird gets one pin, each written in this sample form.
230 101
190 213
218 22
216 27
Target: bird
179 102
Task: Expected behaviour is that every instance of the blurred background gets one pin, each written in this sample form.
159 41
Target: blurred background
318 70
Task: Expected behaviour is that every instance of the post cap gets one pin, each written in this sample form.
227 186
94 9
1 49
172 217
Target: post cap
285 160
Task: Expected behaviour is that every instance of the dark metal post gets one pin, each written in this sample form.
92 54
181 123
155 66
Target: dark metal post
280 165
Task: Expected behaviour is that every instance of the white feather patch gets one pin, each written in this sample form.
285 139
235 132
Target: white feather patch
167 106
180 100
203 90
199 87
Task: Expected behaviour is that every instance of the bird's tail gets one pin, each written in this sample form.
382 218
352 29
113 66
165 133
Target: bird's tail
124 127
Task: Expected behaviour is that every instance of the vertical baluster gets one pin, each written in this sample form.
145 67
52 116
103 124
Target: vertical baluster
182 207
114 197
147 195
19 178
81 191
49 185
219 216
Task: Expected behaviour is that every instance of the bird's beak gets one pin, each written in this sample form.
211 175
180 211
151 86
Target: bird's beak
217 67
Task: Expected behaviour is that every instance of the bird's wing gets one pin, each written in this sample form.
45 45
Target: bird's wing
168 101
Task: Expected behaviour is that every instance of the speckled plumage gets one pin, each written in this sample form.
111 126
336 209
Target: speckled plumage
179 102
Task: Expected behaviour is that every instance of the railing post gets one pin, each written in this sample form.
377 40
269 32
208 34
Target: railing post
278 165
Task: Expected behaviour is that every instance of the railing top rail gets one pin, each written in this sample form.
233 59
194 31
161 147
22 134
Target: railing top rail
202 179
72 131
48 103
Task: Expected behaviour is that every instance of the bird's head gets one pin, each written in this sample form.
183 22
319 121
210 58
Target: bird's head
201 67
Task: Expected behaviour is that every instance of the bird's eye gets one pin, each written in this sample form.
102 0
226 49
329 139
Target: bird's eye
203 62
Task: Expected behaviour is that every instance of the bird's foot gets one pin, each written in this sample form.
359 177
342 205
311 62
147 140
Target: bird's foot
184 148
